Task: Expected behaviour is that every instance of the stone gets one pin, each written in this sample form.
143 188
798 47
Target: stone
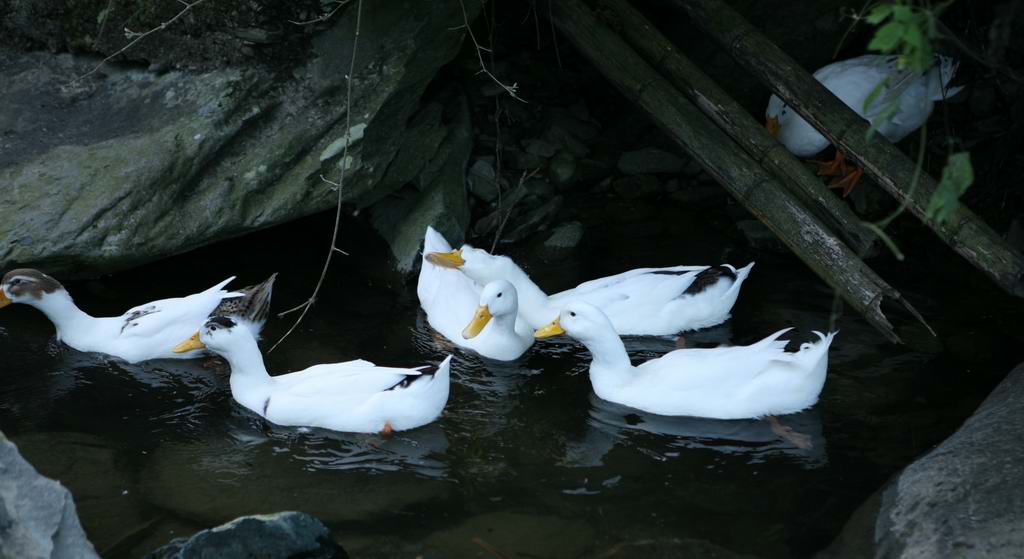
520 160
759 236
481 180
650 160
37 514
509 206
539 187
965 498
87 465
515 534
255 479
525 225
283 535
582 130
440 201
636 186
565 236
128 166
539 147
562 168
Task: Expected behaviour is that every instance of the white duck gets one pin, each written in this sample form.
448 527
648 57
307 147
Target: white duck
144 332
450 300
737 382
354 396
642 302
853 81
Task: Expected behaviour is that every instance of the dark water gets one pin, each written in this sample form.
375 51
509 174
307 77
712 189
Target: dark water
526 461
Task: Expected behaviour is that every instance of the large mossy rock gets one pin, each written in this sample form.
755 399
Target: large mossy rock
37 514
130 165
965 498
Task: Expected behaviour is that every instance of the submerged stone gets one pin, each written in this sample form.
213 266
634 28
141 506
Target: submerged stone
284 535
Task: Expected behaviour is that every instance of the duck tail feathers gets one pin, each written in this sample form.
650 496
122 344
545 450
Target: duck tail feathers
250 303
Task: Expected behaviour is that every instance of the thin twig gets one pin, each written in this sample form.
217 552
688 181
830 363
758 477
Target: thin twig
338 186
510 89
325 17
554 37
139 37
522 179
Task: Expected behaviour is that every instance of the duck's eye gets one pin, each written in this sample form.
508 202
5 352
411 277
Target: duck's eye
499 295
16 281
572 313
213 328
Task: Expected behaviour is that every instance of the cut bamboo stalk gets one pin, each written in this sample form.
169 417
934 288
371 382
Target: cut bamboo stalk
965 232
714 102
732 167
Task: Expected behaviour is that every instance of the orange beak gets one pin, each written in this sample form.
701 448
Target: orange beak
773 126
451 259
4 299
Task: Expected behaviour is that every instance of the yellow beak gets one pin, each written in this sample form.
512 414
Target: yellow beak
451 259
480 319
552 329
4 300
190 344
773 126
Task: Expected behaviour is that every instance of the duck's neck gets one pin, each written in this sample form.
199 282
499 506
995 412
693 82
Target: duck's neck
250 382
533 302
63 313
504 324
610 365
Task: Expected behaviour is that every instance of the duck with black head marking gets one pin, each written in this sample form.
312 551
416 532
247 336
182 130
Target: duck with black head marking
354 396
640 302
145 332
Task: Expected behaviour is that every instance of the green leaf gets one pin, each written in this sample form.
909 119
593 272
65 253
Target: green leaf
878 14
887 37
887 113
957 177
882 84
913 36
902 14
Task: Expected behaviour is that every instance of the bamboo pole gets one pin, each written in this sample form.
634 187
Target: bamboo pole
732 167
714 102
965 232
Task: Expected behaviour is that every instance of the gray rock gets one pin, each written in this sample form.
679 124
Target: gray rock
37 514
539 187
520 160
650 160
283 535
88 465
562 168
565 236
540 148
636 186
965 498
583 130
481 180
440 199
508 208
132 166
523 226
